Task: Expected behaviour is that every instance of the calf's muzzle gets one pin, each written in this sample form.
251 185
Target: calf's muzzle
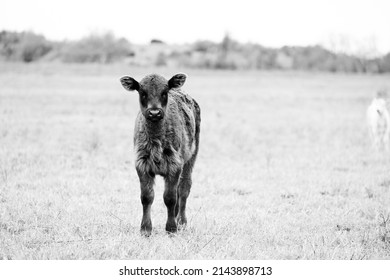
154 114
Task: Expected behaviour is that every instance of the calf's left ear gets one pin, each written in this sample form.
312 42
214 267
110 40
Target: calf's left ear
177 80
129 83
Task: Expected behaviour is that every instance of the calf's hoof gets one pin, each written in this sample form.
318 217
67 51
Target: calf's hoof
171 227
182 221
146 233
146 230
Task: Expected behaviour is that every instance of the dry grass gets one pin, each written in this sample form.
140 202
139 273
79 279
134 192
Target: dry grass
285 169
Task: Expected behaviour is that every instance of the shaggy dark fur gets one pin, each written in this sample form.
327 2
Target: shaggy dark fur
166 140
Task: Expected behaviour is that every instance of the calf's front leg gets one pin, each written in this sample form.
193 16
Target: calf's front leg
147 197
170 200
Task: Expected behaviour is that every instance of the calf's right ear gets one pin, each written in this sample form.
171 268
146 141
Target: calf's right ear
129 83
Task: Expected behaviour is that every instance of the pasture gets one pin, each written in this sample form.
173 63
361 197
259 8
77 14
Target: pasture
285 168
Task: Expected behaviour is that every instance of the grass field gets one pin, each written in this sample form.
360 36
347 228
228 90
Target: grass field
285 169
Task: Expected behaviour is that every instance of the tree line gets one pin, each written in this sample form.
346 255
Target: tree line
228 54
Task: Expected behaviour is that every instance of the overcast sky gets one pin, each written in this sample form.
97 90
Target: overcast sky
364 23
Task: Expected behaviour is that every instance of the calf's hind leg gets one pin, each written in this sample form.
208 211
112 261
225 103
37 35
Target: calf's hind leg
183 193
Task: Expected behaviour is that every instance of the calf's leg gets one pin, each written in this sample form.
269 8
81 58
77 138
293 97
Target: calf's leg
147 197
170 200
183 193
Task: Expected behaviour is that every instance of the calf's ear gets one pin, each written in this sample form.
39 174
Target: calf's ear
129 83
177 80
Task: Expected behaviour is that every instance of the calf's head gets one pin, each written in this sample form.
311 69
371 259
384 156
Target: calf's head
153 93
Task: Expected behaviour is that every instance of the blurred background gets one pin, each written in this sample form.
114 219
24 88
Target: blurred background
335 36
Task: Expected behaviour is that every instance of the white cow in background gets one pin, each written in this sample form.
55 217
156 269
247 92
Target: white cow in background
379 123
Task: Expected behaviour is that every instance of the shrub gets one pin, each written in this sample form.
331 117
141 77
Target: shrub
32 47
25 46
97 48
